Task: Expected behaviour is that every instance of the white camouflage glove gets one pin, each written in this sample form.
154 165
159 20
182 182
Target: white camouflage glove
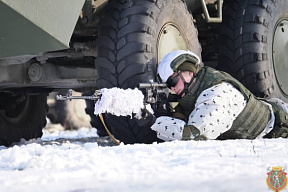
168 128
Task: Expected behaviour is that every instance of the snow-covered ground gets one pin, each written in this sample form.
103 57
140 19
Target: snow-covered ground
78 163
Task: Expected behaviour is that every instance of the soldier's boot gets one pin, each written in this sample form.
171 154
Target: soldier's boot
280 110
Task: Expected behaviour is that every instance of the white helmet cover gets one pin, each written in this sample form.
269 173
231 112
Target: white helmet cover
164 69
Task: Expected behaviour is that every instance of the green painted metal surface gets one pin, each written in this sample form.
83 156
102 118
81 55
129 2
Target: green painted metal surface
31 27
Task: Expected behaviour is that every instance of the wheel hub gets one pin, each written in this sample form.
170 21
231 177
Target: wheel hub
280 51
170 39
79 110
16 107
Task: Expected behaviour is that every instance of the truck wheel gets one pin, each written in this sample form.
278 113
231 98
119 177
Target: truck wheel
21 116
133 36
70 114
253 45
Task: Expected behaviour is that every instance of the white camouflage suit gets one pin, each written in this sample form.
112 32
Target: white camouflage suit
215 110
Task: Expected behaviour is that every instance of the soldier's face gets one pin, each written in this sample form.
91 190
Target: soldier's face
178 88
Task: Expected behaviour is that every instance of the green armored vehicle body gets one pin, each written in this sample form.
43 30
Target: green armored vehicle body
55 45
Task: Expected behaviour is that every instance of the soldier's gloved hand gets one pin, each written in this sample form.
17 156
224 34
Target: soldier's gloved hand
146 118
145 113
191 132
169 129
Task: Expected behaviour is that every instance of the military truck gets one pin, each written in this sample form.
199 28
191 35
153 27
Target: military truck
84 45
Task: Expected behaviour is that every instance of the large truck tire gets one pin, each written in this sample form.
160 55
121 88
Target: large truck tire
21 116
133 36
253 45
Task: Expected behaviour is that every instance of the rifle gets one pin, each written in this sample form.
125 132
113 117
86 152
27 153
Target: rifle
69 96
153 93
158 95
